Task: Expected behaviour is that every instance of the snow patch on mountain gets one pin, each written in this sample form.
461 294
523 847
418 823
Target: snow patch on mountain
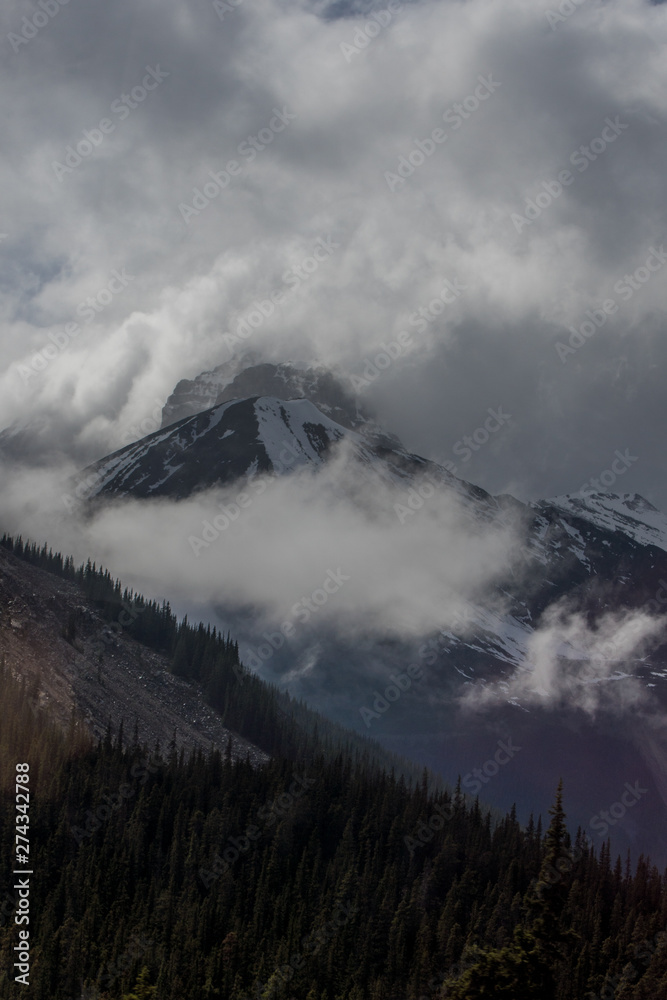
300 418
628 513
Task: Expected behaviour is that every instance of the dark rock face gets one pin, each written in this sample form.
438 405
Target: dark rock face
284 381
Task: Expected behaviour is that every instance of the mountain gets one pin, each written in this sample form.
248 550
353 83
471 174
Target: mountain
572 543
629 514
94 656
278 855
246 376
600 551
81 666
322 877
230 441
593 554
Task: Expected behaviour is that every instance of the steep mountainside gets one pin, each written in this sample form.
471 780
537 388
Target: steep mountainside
244 377
597 554
600 551
220 445
50 636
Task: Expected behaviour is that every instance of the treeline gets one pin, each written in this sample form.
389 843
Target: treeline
195 651
209 879
325 875
258 711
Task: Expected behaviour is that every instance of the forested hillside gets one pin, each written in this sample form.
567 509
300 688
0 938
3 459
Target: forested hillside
327 879
258 712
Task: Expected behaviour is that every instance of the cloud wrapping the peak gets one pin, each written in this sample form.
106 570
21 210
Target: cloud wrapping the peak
258 548
572 664
320 171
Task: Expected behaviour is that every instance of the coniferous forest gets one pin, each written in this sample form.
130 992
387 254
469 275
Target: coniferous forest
323 875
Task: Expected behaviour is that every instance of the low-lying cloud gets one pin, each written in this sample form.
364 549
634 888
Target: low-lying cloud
262 552
573 664
164 293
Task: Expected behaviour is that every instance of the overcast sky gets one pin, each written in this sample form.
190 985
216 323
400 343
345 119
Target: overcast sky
171 91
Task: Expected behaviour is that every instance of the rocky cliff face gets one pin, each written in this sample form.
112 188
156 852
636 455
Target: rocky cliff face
242 378
129 682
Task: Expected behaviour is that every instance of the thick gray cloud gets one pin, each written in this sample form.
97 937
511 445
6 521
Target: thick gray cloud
357 113
283 539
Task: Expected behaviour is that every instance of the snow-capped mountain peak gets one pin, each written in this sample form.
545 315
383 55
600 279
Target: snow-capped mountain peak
628 513
227 442
247 376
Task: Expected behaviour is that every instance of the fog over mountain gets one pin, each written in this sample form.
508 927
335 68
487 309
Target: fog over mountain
312 250
355 573
405 240
332 409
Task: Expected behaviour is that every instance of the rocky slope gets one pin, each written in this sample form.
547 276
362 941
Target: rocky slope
131 684
245 377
